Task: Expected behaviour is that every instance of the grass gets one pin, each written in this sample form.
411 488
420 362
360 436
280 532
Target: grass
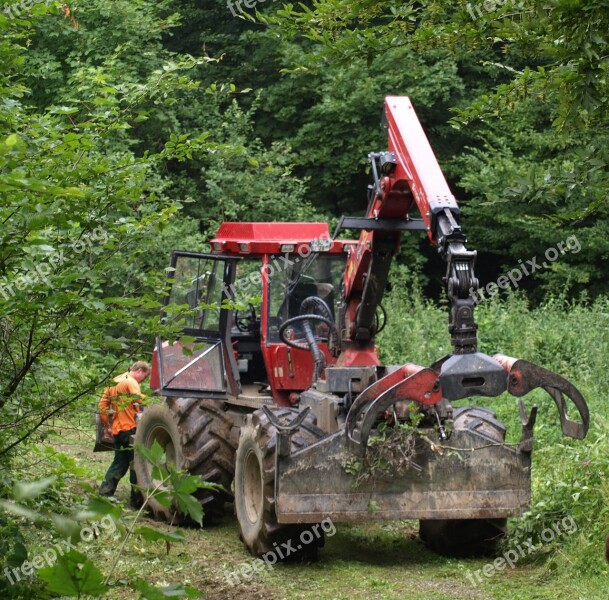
386 559
367 561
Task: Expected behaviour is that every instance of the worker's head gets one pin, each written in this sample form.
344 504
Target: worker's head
139 370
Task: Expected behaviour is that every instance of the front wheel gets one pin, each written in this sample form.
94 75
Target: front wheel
255 488
195 435
468 537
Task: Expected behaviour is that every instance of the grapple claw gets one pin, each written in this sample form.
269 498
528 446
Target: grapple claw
410 382
524 376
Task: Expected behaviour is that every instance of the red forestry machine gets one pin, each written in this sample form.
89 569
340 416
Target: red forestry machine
287 404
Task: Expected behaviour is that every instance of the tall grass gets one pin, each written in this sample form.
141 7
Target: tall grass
569 477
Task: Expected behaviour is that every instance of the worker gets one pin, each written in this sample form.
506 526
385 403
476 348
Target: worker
123 402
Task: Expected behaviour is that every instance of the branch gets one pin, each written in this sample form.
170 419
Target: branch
46 417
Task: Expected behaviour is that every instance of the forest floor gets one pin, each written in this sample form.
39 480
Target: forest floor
368 561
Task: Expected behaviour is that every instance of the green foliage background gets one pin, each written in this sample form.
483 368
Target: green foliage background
129 128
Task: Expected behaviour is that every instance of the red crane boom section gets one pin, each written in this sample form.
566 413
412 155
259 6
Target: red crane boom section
417 164
414 177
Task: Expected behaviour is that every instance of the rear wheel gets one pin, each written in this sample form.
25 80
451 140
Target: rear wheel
255 488
195 435
468 537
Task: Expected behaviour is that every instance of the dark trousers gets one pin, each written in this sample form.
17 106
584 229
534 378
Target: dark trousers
123 462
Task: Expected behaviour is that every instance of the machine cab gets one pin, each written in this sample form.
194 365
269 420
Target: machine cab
238 306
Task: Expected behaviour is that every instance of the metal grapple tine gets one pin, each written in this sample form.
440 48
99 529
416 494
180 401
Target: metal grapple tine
422 386
524 376
571 428
285 432
290 427
528 423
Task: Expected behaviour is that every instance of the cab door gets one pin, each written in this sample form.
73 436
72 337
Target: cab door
202 365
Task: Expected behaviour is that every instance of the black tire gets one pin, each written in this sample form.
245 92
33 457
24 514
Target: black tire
195 434
468 537
255 486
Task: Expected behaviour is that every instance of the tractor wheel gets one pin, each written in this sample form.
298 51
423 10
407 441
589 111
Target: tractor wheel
195 435
468 537
255 487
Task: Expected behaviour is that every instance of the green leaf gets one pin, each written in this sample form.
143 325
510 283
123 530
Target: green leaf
21 511
159 473
152 535
18 556
73 575
192 506
163 498
66 527
31 489
183 483
153 455
98 505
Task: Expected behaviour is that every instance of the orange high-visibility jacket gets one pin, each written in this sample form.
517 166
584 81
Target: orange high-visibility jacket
123 399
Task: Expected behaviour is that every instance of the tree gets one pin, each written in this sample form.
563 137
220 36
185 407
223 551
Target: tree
527 160
76 205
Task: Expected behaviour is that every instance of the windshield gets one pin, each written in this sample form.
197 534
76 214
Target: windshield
293 279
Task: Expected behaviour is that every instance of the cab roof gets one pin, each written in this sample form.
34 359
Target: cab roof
275 238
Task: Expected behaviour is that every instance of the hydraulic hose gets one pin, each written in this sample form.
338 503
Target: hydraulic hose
315 306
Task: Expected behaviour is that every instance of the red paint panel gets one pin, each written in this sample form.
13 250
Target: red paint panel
516 384
417 164
268 238
155 376
424 388
294 374
507 362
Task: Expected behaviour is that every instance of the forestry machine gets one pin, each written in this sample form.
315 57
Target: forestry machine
283 399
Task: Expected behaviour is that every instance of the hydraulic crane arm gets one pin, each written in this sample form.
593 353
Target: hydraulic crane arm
407 176
415 164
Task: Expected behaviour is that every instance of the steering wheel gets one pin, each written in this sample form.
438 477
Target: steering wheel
301 343
245 320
